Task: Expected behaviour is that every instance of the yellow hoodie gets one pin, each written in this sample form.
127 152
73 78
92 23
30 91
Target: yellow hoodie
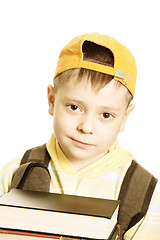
102 178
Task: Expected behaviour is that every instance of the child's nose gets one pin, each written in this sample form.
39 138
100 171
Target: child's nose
86 124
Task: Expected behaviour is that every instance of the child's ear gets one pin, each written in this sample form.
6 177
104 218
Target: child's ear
51 98
127 113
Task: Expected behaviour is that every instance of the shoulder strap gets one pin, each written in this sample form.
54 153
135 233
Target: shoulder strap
135 196
33 173
37 154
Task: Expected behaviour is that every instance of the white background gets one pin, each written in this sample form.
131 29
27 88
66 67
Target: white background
32 33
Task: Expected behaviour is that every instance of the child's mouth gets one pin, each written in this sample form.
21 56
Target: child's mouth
81 144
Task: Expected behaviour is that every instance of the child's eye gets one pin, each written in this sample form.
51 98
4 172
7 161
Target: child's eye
74 107
106 115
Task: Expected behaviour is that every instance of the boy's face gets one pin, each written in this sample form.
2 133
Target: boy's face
86 123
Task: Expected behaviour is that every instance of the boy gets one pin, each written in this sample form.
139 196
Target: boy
90 102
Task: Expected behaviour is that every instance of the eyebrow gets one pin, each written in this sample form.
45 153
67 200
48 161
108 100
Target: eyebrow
74 100
117 109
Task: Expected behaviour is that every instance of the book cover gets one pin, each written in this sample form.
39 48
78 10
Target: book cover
58 214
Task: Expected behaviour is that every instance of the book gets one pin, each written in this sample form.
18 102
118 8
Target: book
22 235
53 214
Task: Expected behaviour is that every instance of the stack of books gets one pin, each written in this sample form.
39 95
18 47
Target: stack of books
39 215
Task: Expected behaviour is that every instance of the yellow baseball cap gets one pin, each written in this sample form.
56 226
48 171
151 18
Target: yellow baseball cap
124 69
